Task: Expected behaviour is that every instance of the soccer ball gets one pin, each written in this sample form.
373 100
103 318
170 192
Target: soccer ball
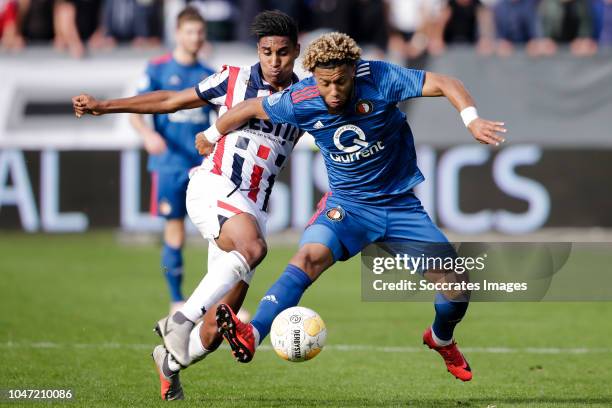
298 334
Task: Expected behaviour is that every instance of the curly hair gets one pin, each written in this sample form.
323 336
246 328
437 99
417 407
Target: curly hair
331 50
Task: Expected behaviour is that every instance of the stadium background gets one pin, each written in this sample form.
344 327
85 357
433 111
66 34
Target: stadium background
79 252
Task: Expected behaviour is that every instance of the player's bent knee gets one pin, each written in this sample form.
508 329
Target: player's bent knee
312 259
254 251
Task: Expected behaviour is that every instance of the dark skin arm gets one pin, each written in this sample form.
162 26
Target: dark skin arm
484 131
232 119
150 102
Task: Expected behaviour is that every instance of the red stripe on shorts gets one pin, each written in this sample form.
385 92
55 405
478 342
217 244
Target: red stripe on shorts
229 207
153 198
320 208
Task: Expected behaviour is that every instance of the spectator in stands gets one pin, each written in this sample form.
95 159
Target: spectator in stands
569 21
10 33
467 22
368 25
37 23
247 10
601 12
330 15
221 16
75 21
517 22
413 23
138 22
293 8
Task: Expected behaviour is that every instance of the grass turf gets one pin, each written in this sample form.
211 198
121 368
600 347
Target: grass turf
76 311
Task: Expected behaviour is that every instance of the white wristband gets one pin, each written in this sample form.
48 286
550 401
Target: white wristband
468 115
212 134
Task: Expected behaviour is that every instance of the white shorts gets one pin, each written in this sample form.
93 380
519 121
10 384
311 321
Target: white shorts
210 202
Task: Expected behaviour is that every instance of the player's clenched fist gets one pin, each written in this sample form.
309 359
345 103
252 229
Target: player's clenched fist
204 146
84 104
487 132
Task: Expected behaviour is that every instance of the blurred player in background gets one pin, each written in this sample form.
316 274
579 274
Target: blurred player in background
228 196
170 142
350 107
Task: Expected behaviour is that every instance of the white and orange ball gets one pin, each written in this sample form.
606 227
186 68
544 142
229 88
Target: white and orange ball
298 334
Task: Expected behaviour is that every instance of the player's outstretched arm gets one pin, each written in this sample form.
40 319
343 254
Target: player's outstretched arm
150 102
230 120
485 131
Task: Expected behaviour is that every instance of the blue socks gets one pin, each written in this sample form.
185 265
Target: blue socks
172 267
285 293
448 314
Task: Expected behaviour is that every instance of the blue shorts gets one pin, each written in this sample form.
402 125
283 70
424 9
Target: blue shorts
347 227
168 192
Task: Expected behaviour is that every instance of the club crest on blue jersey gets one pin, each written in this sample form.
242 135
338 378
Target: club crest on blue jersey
174 80
364 107
165 207
335 214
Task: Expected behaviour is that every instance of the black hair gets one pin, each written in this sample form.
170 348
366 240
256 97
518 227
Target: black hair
275 23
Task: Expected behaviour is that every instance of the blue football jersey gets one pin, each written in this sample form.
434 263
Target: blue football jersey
179 128
369 148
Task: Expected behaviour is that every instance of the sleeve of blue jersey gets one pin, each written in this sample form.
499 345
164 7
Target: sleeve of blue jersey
148 82
397 83
279 108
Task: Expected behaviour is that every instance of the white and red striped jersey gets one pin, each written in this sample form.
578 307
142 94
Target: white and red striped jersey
253 155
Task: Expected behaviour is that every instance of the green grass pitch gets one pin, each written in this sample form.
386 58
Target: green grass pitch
76 311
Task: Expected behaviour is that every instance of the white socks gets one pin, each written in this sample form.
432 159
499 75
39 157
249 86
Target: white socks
197 351
225 269
439 341
172 363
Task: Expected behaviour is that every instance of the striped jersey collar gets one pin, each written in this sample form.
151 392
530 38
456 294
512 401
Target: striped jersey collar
257 80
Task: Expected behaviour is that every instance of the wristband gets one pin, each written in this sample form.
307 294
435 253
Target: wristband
468 115
212 134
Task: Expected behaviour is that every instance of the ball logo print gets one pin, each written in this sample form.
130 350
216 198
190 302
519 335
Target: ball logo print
358 143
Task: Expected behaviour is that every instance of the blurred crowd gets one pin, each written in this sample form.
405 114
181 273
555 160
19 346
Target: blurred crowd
407 28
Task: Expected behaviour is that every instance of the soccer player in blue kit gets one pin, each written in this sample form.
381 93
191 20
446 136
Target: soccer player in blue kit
350 107
170 141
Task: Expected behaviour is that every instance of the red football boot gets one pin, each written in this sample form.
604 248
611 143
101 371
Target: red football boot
239 335
169 381
456 364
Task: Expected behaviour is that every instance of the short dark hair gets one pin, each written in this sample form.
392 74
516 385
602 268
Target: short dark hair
275 23
189 13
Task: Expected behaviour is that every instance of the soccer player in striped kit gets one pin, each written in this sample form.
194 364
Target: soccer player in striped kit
228 195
